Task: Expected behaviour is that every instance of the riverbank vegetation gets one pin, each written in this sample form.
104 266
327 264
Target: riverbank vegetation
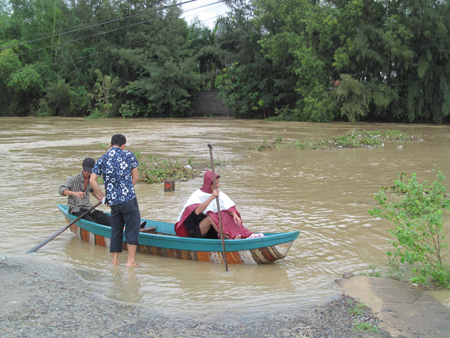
352 139
418 232
283 60
152 170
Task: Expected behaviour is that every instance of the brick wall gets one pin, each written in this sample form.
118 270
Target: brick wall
208 104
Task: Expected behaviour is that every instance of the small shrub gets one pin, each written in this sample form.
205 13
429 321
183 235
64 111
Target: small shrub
44 109
154 171
418 234
398 189
104 94
59 97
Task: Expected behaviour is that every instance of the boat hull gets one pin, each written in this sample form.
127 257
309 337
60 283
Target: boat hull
247 251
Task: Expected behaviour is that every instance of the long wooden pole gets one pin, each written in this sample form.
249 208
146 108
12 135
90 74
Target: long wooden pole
218 209
60 231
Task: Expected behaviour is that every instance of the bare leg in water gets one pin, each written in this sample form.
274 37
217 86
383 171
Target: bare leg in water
131 255
115 256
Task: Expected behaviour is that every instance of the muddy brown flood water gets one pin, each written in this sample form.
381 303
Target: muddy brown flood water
324 194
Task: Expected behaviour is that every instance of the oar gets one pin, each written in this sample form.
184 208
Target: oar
60 231
218 209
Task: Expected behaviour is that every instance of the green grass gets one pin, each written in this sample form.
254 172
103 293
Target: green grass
371 272
358 309
366 326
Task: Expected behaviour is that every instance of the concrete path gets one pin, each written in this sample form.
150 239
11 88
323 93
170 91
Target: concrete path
405 310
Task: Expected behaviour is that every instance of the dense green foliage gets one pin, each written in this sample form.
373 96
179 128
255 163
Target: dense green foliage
96 58
419 227
305 60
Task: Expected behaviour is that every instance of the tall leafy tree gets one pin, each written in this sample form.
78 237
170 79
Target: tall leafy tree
27 43
166 83
209 56
409 52
250 84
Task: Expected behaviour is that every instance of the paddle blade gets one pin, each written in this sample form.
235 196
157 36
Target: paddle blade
48 239
60 231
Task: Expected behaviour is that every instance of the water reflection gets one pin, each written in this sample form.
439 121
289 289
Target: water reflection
181 285
324 194
125 284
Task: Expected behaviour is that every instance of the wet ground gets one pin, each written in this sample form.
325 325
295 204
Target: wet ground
42 301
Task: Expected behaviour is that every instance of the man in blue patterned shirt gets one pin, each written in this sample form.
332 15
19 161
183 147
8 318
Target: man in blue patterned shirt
119 169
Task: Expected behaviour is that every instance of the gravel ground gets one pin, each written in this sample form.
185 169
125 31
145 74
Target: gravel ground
42 301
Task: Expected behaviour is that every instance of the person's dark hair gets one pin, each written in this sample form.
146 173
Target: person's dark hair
118 140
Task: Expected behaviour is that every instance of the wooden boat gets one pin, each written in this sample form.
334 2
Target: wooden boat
159 239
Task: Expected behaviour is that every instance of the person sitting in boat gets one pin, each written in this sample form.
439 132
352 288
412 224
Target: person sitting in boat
200 218
77 188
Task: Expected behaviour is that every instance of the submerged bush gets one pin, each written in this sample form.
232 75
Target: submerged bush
352 139
154 171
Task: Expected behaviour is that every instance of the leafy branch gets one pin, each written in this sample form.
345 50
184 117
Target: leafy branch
419 226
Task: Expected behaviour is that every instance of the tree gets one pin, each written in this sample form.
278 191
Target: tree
26 40
250 84
205 46
355 99
410 53
299 39
165 81
104 93
314 43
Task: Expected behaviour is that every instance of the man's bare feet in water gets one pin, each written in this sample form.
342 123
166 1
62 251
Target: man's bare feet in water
131 265
115 257
131 262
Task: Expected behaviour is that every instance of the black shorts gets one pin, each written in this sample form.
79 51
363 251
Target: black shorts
121 214
192 222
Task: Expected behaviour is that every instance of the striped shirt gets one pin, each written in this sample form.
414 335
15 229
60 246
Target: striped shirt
76 183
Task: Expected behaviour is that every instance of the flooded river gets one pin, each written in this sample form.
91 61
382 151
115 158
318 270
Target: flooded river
324 194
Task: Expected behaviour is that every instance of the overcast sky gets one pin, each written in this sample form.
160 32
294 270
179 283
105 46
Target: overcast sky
208 15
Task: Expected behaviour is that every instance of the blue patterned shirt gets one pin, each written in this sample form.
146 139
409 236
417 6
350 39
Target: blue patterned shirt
116 166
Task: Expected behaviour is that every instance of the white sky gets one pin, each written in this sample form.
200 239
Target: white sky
208 15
